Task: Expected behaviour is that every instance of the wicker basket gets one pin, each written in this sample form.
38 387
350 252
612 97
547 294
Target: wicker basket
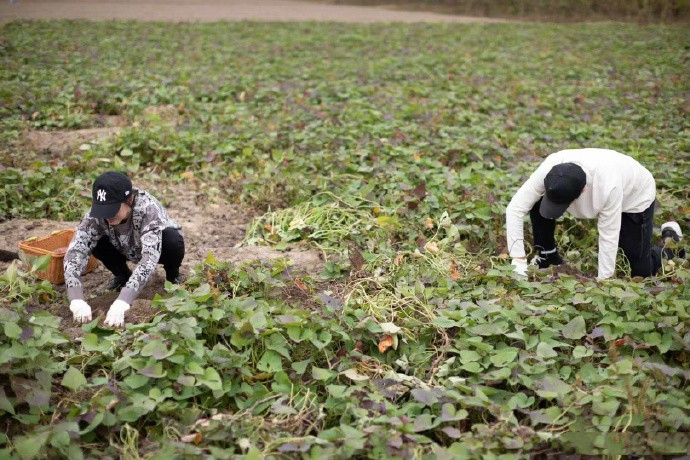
55 273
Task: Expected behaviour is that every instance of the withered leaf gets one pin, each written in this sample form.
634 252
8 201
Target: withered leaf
385 343
356 259
419 191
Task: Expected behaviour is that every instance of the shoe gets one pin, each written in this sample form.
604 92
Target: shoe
177 279
117 283
671 230
670 235
542 260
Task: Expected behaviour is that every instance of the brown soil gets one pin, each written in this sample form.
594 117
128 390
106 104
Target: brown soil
216 10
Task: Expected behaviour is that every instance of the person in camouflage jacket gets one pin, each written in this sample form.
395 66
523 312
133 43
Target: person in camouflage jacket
124 224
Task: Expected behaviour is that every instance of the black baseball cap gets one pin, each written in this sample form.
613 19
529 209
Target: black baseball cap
109 191
563 184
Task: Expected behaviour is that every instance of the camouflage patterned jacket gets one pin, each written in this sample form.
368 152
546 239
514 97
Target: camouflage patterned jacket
139 240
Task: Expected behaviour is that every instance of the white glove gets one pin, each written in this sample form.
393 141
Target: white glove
520 269
81 310
116 314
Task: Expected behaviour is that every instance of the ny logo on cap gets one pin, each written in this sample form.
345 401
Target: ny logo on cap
100 195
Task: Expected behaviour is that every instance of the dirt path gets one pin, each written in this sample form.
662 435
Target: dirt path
215 10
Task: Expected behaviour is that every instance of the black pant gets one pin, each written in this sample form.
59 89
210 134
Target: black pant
172 253
635 238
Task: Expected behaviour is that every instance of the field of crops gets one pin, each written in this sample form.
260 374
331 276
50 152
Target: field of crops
392 151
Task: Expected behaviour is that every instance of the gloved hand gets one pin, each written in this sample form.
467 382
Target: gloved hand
80 310
116 314
520 265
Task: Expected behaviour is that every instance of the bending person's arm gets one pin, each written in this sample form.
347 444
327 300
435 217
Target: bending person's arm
521 204
609 226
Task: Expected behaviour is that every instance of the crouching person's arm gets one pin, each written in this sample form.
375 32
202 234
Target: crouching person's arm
77 256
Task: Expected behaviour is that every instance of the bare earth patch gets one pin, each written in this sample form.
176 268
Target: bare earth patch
59 143
208 228
62 142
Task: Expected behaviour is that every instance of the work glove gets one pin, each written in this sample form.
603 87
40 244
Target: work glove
520 270
81 310
116 314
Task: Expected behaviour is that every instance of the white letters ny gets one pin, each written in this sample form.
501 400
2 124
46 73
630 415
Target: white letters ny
100 195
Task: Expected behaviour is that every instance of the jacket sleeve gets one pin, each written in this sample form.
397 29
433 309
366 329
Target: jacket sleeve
609 226
85 239
520 205
152 227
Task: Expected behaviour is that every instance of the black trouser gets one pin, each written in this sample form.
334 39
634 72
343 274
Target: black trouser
635 238
172 253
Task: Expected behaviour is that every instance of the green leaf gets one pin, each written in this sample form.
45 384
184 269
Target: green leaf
575 329
505 356
389 328
186 380
135 381
425 422
60 439
12 330
298 334
468 356
339 391
581 352
301 366
155 371
427 397
91 343
211 379
472 367
449 413
352 374
551 387
132 413
490 329
5 403
258 321
270 362
605 407
154 347
277 342
443 322
322 374
324 339
545 351
73 379
195 368
97 420
28 447
243 336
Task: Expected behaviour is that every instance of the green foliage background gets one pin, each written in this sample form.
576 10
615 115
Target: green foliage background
369 141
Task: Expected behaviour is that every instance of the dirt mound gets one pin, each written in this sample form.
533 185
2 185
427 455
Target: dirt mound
58 143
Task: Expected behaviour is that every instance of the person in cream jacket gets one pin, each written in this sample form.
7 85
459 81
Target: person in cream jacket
589 184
